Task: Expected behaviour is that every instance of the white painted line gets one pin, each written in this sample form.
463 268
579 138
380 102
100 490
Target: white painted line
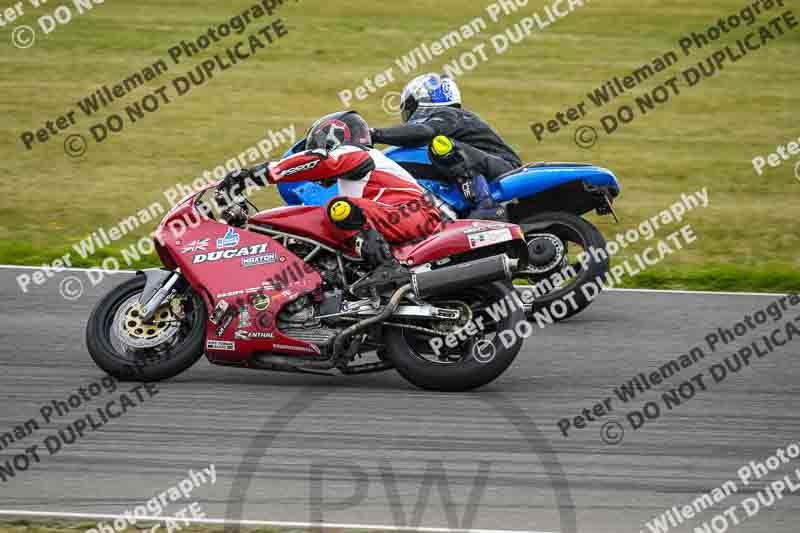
669 291
26 267
267 523
712 293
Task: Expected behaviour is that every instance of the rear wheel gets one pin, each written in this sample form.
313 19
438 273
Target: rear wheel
461 354
563 286
127 348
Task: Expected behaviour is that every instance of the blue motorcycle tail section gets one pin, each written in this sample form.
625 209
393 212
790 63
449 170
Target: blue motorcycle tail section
536 179
526 182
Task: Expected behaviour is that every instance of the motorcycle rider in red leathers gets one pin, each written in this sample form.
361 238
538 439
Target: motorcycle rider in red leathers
380 202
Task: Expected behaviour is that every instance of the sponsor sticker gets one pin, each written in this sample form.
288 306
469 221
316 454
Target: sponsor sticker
245 335
230 240
224 325
225 346
261 302
218 312
300 168
487 238
196 246
247 251
244 316
264 287
260 260
478 227
229 294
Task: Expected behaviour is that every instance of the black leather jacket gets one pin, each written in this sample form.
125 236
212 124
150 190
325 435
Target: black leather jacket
458 124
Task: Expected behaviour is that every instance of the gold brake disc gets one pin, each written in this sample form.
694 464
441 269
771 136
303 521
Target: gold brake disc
138 329
135 333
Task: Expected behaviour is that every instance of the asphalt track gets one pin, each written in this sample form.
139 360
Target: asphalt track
372 450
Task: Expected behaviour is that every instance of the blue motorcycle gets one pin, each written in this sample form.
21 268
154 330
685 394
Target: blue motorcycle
548 200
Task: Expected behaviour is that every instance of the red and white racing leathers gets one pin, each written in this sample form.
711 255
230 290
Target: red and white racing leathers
392 201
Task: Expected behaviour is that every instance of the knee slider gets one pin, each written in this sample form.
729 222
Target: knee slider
346 215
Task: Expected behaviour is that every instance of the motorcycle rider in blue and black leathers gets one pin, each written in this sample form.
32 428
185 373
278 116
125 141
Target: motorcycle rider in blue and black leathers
460 144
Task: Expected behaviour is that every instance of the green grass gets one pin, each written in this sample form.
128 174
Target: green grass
748 239
717 278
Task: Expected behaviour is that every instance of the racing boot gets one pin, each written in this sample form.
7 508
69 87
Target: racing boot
387 272
487 208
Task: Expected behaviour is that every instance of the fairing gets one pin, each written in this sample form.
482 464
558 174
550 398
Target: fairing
253 274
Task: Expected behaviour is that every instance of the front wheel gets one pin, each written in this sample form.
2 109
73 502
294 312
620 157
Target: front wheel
565 263
127 348
462 354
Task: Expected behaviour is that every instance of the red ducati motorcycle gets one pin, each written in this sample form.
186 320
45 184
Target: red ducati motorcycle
278 290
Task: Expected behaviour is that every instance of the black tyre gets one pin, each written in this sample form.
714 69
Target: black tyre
128 349
474 362
577 235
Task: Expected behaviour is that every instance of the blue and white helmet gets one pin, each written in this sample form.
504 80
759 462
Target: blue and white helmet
429 90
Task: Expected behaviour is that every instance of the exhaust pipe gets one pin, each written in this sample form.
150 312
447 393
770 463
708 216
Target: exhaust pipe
458 277
391 307
450 279
444 280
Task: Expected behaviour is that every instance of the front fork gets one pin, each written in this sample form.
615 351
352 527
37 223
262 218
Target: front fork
159 285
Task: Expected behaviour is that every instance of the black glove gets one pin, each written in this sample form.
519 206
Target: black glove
259 174
235 180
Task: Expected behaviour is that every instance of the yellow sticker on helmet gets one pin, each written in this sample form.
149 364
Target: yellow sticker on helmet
442 145
340 211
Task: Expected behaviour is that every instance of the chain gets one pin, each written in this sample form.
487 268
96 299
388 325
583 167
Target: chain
407 326
415 328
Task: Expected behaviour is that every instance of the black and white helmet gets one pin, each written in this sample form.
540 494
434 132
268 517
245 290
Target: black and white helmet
337 129
429 90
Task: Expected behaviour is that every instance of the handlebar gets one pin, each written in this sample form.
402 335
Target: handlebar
229 195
